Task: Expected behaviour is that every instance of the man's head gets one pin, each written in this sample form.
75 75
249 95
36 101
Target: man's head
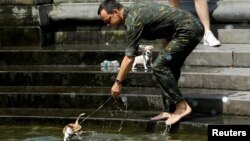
111 12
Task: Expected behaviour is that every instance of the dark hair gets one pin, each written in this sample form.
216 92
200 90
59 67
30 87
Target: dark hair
109 6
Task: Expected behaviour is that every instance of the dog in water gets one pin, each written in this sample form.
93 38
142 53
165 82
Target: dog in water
145 59
73 129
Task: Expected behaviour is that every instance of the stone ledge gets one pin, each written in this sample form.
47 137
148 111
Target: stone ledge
24 2
232 11
236 55
215 78
192 77
25 36
203 101
221 11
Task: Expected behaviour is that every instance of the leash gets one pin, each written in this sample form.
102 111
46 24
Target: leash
124 100
95 110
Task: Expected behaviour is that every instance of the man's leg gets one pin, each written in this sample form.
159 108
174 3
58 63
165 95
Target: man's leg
168 85
201 7
167 68
168 106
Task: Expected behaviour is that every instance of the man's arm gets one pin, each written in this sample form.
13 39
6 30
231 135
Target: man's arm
126 65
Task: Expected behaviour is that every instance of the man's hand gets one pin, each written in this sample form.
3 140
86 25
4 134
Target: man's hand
124 69
116 90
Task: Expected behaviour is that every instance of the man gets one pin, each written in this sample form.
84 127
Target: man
201 7
150 21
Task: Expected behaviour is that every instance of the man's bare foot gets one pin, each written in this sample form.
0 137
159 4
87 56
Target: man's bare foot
182 109
163 115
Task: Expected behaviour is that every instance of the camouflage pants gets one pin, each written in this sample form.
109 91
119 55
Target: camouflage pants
167 66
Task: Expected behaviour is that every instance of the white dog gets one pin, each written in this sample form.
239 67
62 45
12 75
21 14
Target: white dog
145 59
72 129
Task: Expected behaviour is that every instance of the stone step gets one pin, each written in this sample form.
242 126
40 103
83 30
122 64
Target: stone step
228 12
228 29
69 113
192 77
139 99
210 102
24 36
227 33
218 78
80 54
236 55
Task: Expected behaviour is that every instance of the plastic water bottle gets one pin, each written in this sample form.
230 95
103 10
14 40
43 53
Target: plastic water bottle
115 63
109 66
104 63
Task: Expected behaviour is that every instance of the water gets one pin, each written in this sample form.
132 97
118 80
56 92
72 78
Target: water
94 131
91 133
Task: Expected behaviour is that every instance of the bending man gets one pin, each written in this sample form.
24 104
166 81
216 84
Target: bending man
151 21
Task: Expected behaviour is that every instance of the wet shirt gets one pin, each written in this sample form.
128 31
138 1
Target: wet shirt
150 21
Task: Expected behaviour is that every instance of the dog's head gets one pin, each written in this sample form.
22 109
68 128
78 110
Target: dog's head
147 49
147 53
72 129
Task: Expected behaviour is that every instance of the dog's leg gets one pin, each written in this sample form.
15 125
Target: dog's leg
145 62
145 65
66 138
67 132
79 136
133 66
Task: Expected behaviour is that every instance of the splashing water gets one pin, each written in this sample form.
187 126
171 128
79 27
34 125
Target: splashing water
124 99
72 95
167 129
125 102
224 99
229 26
169 57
